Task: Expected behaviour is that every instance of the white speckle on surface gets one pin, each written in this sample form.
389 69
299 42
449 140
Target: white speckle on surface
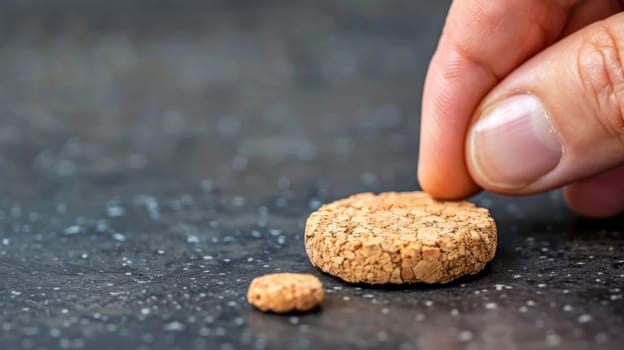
281 202
205 331
119 237
567 308
293 320
491 306
174 326
368 179
530 303
115 211
585 318
145 311
5 241
207 185
552 339
314 204
523 309
72 230
464 336
192 239
238 201
84 255
16 211
429 303
101 226
151 205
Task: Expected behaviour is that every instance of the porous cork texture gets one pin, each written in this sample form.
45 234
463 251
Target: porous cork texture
285 292
399 238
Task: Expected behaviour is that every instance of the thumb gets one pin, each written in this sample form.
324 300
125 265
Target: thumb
556 119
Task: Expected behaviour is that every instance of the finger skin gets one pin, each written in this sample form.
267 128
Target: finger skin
580 82
600 196
588 12
482 42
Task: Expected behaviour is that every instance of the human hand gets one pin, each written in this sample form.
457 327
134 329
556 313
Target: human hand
526 96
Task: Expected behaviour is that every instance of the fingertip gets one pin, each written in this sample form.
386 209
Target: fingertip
601 196
453 90
582 202
481 43
446 185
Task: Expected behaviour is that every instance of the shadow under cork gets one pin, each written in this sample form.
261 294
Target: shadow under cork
487 270
315 310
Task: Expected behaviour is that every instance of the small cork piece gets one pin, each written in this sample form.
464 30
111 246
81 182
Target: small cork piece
400 238
285 292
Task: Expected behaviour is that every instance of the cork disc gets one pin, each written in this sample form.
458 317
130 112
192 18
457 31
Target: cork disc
400 238
285 292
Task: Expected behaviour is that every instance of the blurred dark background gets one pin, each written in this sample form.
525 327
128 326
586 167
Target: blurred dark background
123 92
155 156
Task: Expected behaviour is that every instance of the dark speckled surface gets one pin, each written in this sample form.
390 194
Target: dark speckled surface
155 157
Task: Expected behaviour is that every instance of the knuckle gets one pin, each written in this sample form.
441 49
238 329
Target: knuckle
601 70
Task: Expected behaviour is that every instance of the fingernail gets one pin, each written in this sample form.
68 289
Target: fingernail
514 143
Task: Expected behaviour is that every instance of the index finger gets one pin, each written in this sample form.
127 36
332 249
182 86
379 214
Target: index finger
481 43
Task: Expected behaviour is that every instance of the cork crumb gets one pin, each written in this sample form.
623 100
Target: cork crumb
400 238
285 292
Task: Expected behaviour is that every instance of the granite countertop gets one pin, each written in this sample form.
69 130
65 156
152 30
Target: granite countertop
155 157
